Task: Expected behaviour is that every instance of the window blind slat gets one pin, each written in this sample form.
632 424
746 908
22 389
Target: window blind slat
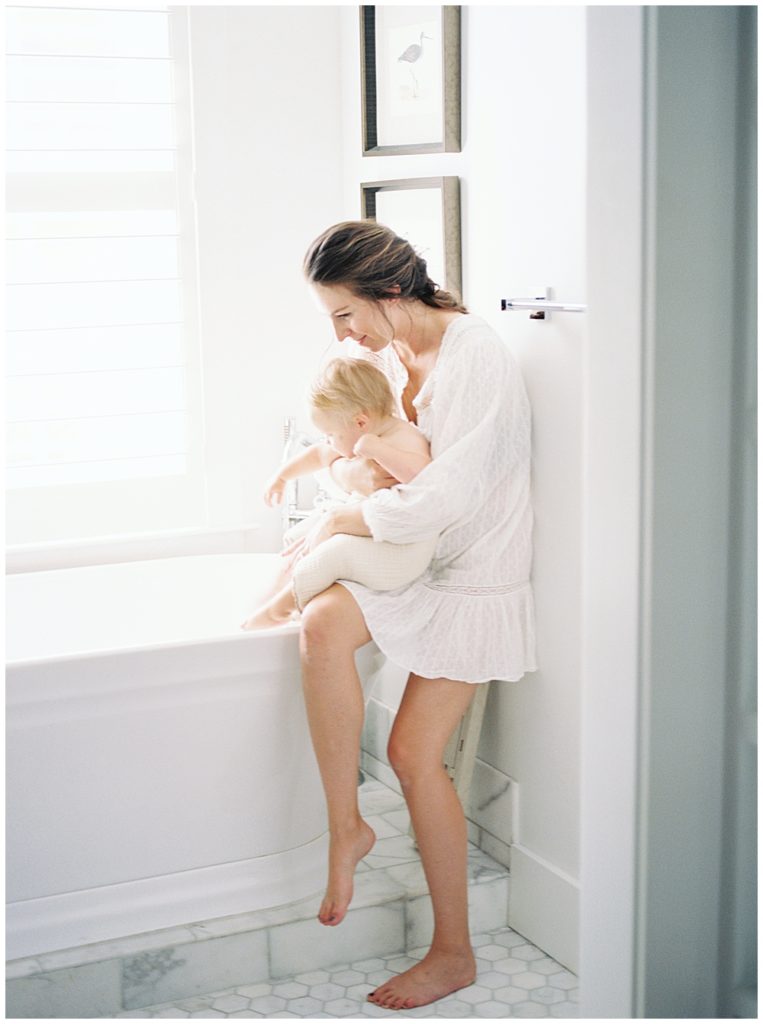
116 438
82 5
87 32
121 126
90 259
91 191
46 306
123 392
91 224
93 349
104 472
81 79
87 162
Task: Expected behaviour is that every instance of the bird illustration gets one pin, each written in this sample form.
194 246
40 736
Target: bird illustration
411 54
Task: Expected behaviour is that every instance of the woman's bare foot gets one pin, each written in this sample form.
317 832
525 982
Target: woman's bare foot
435 977
344 853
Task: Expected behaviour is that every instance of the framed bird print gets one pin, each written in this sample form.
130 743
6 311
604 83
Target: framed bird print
425 211
410 79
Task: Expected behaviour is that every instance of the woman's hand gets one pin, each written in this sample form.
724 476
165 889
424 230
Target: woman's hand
361 475
274 489
345 519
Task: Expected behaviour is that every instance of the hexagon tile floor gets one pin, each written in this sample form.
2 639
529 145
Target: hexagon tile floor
514 979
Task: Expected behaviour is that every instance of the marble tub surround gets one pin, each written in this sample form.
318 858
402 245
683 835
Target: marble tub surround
514 979
390 913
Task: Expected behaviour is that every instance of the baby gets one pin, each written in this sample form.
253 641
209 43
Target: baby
353 406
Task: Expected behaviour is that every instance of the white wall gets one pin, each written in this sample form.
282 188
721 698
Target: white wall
524 216
266 91
522 170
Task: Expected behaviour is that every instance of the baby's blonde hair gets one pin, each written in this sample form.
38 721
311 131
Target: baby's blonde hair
349 386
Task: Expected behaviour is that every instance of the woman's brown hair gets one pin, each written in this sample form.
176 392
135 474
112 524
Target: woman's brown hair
374 263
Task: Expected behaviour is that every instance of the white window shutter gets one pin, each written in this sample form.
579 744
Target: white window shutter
96 312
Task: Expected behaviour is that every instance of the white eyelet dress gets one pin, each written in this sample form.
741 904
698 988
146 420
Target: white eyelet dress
470 617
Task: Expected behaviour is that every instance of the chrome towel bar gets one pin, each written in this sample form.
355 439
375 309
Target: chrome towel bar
542 304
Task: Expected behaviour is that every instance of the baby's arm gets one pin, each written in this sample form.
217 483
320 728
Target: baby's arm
317 456
403 456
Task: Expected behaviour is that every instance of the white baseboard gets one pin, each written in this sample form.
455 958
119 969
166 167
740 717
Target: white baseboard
544 906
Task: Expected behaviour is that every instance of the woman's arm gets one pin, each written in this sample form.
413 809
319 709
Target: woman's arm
402 465
347 519
480 438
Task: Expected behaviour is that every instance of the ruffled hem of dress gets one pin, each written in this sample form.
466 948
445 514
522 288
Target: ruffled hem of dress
478 638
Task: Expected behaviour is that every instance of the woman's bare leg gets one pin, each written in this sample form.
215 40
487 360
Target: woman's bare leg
333 628
429 712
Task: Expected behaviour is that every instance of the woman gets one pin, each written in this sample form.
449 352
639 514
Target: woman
468 619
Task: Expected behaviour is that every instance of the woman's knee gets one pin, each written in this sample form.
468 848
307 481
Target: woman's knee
428 714
409 758
333 617
320 617
398 757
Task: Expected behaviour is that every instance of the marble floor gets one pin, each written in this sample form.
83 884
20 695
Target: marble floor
515 979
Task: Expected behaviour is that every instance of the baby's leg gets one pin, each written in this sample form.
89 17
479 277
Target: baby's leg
277 584
282 581
275 612
378 565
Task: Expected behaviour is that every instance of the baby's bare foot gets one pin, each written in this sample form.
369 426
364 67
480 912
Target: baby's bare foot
435 977
344 853
265 618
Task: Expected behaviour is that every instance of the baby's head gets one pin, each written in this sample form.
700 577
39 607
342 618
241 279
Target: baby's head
348 399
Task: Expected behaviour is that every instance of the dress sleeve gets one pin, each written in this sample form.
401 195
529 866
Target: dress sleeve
473 407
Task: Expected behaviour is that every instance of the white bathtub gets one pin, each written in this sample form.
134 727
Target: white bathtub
159 765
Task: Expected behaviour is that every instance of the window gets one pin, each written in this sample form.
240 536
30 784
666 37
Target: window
102 353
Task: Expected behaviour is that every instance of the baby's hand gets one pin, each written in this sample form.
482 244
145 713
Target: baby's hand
274 489
365 445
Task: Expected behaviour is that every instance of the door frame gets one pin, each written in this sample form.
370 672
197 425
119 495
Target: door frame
670 201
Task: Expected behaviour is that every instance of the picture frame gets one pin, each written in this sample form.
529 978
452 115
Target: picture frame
410 79
427 212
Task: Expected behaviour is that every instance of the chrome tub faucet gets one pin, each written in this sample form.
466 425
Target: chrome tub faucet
294 440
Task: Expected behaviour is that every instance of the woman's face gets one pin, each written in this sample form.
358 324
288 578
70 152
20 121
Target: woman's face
370 324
